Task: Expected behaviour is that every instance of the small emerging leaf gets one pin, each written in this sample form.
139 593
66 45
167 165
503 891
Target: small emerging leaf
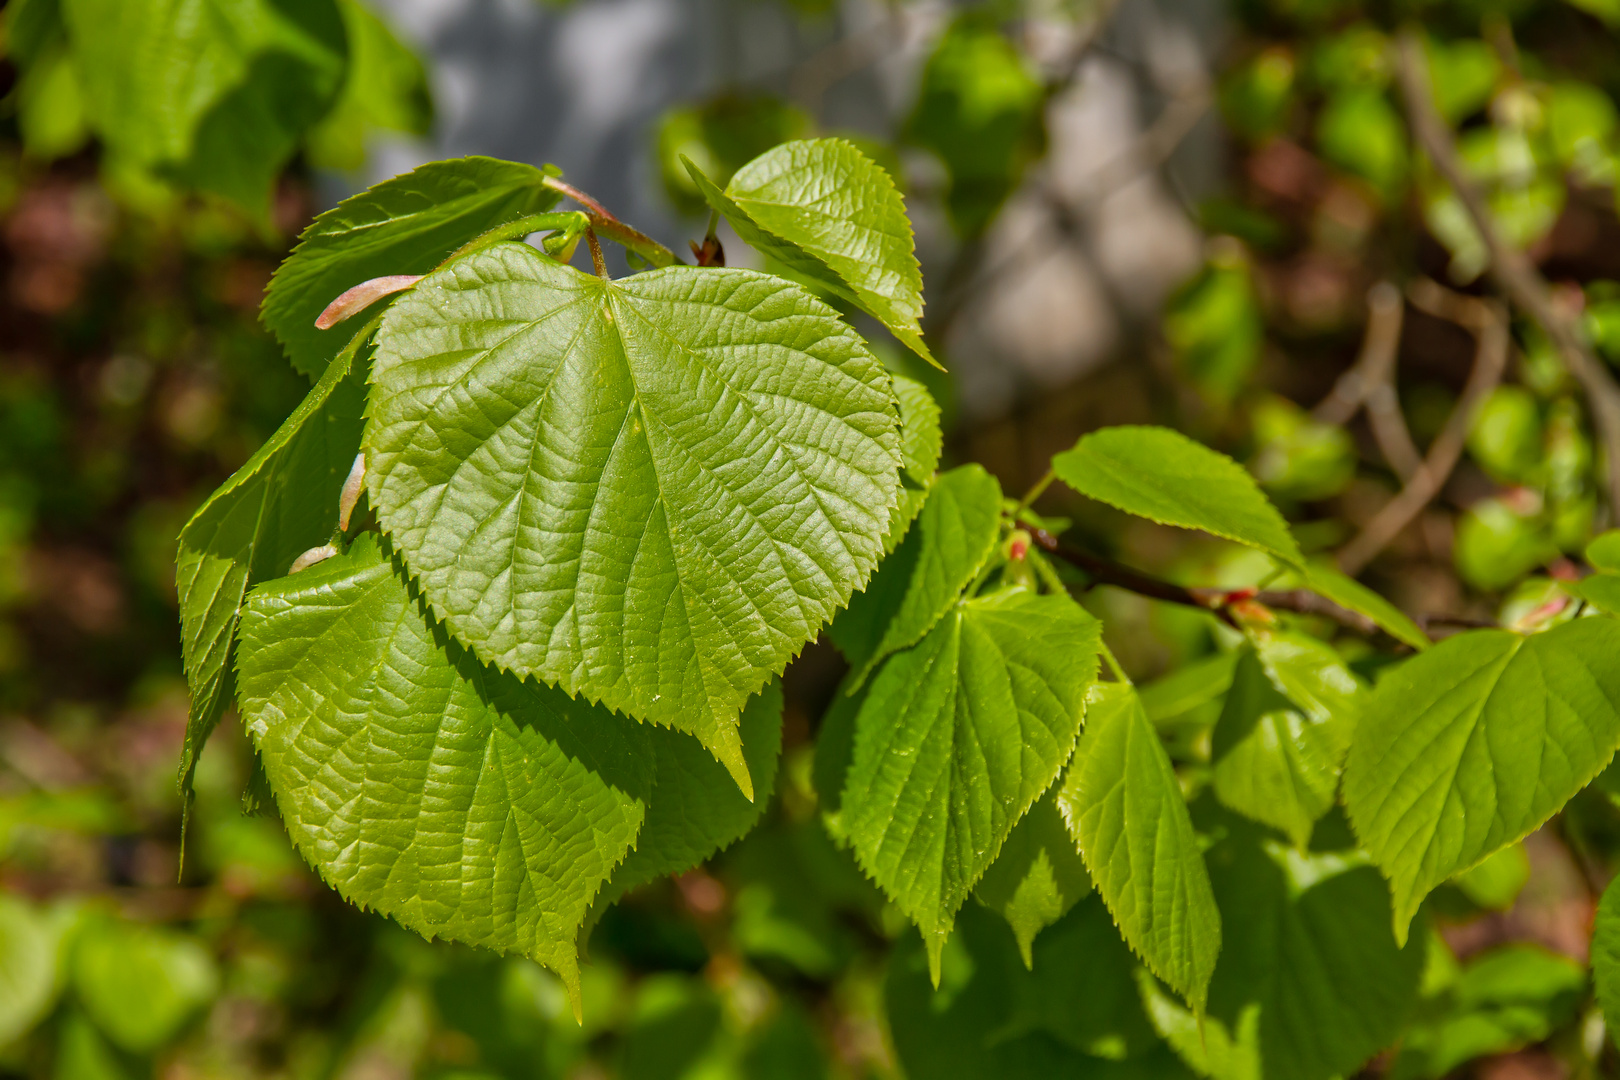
1164 476
830 212
652 491
1123 806
1475 743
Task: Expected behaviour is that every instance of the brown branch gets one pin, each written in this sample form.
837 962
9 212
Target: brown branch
1489 323
1216 601
605 224
1370 384
1510 267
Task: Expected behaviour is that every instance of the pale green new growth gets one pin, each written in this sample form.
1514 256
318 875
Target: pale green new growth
956 738
652 492
916 586
828 211
1038 876
406 225
463 802
1124 808
1475 743
278 505
1164 476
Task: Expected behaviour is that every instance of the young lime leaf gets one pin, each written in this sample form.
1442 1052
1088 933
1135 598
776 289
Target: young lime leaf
1123 806
1604 552
921 443
465 803
925 576
1283 734
1347 592
385 88
1038 876
1310 983
406 225
1164 476
828 211
1602 591
695 810
956 738
215 93
140 984
652 492
279 504
1606 954
1473 744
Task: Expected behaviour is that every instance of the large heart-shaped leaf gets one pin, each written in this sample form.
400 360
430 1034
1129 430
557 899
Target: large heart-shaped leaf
1473 744
1164 476
1310 984
833 214
463 802
1283 734
1124 808
956 738
278 505
651 491
406 225
926 574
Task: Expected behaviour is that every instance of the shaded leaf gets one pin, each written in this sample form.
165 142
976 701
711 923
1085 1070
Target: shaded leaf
921 443
1164 476
1475 743
140 984
652 492
1606 954
31 954
941 555
1038 876
1123 806
956 738
1602 591
826 210
406 225
385 87
464 803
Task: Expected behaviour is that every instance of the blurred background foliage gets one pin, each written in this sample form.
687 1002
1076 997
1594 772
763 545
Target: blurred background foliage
141 216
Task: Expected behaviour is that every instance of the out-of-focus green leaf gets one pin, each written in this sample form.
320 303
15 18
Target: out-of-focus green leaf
1582 121
1607 10
1497 881
1462 76
1604 552
955 739
1474 743
406 225
215 93
1602 591
1310 984
1255 98
924 578
1164 476
1356 57
1506 435
1213 326
1606 954
32 949
1296 457
659 489
979 109
1124 808
50 105
720 136
385 88
1360 131
140 984
1038 876
1496 544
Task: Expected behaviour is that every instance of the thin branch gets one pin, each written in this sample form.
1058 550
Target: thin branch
1489 322
1511 268
1370 384
605 224
597 262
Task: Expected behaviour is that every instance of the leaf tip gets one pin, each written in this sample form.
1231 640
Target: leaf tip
935 944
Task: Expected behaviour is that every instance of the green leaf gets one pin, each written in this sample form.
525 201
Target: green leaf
652 492
1496 882
283 502
1602 591
406 225
695 810
140 984
1123 806
215 93
954 741
1604 552
1283 734
465 803
1347 592
1038 876
1606 954
31 953
1162 475
828 211
921 444
1074 1014
385 87
920 582
1310 983
1475 743
719 136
